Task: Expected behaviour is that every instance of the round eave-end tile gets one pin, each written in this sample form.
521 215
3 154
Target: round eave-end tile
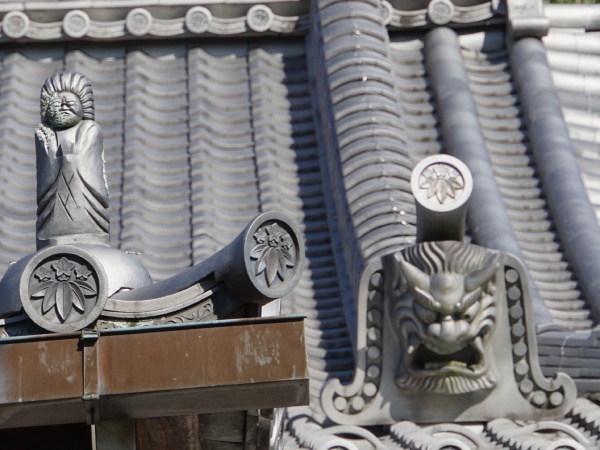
274 254
63 289
76 24
387 11
440 12
139 21
15 24
441 183
259 18
198 19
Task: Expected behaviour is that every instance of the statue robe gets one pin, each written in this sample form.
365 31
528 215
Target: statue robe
72 194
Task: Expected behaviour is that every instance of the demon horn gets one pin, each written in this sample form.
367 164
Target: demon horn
480 276
415 276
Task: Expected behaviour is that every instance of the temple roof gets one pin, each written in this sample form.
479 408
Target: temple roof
325 124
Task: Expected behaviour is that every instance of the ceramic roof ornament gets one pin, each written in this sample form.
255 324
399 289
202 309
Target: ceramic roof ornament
76 278
445 321
72 193
66 284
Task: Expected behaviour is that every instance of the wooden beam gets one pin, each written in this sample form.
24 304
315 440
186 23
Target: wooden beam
152 372
116 435
167 433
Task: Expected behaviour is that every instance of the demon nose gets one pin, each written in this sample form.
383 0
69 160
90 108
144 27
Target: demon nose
448 330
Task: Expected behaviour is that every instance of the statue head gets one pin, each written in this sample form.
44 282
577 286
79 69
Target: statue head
66 99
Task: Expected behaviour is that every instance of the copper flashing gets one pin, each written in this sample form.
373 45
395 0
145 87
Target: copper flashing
209 367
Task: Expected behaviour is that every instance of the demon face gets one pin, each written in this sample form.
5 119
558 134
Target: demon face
444 310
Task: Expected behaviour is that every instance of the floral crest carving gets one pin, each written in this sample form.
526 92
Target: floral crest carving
139 21
440 11
76 24
198 19
63 289
15 24
273 252
260 18
64 286
442 181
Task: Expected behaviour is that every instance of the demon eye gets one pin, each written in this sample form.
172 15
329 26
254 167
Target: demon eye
471 298
471 311
426 315
425 298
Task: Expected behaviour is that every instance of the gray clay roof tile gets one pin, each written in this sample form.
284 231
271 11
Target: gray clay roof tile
199 140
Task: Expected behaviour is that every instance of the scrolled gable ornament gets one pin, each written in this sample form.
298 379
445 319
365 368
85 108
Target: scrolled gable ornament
444 322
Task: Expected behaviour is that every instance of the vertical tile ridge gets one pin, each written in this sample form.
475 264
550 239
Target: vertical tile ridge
21 79
420 114
156 196
190 216
289 181
507 142
575 69
224 191
488 219
560 175
364 157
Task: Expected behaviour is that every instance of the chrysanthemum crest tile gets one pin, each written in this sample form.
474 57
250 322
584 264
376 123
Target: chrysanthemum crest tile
76 24
15 24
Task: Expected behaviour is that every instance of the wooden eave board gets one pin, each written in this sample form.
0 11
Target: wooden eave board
151 372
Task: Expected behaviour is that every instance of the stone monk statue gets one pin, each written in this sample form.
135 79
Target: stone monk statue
72 193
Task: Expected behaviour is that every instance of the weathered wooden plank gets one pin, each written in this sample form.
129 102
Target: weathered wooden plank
168 433
226 427
219 445
115 435
154 372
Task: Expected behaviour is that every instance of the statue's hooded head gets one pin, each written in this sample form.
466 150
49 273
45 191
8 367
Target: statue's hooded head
66 99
